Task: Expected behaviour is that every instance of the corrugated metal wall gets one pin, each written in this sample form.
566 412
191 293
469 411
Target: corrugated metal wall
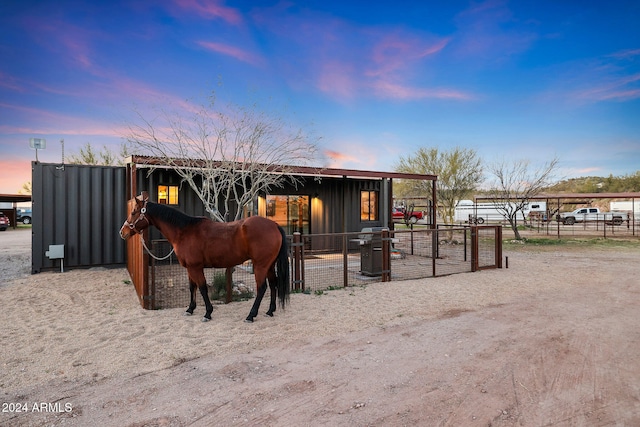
338 210
84 206
81 207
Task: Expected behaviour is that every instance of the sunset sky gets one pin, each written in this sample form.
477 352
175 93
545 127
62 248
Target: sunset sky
373 80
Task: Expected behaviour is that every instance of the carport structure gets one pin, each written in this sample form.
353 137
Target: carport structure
11 212
555 202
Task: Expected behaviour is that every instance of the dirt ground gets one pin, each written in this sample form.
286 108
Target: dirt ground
553 340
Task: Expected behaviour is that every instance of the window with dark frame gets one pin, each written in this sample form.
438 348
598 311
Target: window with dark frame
168 194
368 205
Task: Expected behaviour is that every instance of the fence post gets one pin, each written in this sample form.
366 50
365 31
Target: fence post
228 285
464 233
434 250
297 274
498 246
474 248
148 294
386 256
345 261
411 234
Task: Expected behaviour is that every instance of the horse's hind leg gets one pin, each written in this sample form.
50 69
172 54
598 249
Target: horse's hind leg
256 303
192 304
274 292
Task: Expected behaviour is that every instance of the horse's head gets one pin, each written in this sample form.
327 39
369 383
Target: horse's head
136 221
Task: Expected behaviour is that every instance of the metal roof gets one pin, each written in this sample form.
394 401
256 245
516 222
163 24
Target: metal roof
15 198
302 170
580 196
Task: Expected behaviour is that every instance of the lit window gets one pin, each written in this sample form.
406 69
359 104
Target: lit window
290 212
368 205
168 194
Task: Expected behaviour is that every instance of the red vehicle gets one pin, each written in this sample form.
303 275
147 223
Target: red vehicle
401 214
4 222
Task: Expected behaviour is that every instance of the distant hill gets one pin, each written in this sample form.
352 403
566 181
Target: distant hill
597 184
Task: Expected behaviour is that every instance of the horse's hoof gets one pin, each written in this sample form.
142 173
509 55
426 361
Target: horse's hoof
186 313
248 320
269 314
205 319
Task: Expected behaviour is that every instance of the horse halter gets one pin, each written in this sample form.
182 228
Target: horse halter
133 226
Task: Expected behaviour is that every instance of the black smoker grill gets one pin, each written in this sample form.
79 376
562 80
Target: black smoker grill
371 251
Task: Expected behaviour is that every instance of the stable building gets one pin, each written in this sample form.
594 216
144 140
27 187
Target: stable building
82 207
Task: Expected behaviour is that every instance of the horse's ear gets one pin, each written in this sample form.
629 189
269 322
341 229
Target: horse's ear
143 197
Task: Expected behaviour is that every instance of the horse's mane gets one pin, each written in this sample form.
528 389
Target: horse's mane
171 215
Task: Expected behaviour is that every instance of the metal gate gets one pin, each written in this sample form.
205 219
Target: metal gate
486 247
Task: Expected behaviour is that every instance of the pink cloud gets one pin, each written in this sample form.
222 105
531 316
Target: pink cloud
65 39
234 52
484 32
11 83
56 124
336 78
614 90
352 155
387 70
338 157
346 61
210 10
397 53
77 47
625 54
388 89
588 171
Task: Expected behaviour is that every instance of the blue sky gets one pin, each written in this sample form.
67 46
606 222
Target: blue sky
374 80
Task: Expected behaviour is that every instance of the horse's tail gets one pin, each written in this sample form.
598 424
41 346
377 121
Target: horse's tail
282 265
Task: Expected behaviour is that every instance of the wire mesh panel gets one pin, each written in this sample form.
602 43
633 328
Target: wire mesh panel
453 250
628 227
324 261
412 254
337 260
488 246
423 253
170 281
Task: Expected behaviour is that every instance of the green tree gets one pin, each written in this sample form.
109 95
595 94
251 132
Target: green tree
459 172
26 188
87 155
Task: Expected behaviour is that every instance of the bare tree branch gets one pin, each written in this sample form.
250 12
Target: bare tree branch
227 156
515 183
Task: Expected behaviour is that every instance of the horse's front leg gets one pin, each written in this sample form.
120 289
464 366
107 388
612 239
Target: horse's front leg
207 303
192 304
256 304
197 279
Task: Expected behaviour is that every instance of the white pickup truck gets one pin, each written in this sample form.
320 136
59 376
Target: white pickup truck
590 214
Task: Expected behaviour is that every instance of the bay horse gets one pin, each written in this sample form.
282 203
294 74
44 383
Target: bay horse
199 243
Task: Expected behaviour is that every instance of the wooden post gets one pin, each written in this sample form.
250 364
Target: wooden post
386 256
297 261
229 285
434 250
345 260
